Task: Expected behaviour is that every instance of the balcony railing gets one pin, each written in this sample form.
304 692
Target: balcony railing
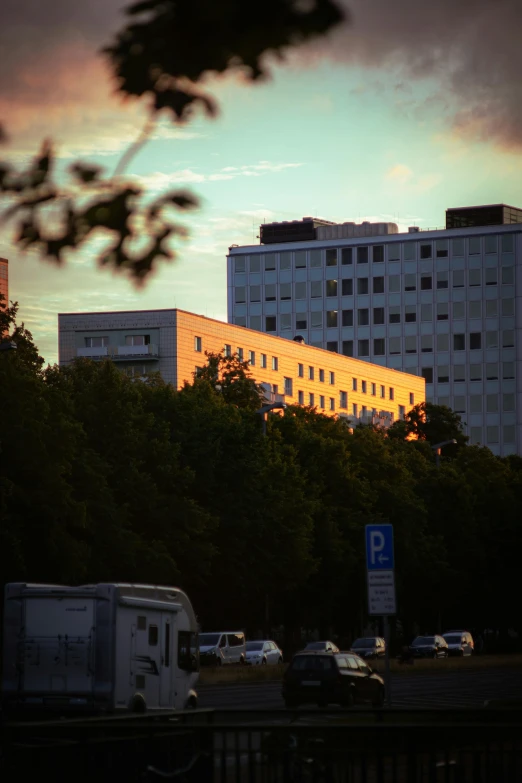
120 352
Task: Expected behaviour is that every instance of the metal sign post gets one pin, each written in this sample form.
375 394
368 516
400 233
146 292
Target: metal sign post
380 573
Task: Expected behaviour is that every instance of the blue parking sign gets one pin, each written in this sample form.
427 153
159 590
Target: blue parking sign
379 547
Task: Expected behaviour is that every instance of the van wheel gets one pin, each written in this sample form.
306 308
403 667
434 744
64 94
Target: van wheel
264 661
192 704
241 661
138 704
219 662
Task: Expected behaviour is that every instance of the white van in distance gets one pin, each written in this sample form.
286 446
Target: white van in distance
222 647
105 647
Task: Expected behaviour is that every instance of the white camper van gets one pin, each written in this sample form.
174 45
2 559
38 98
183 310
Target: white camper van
103 647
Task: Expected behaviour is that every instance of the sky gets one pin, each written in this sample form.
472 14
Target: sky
405 110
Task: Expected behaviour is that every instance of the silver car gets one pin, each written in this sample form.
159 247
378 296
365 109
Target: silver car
263 653
369 647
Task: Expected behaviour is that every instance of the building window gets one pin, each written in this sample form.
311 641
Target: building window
275 388
508 275
475 341
492 434
443 342
332 346
332 404
240 354
239 264
442 311
255 293
311 399
285 321
410 314
362 255
509 433
394 284
362 285
363 316
458 278
508 370
427 343
228 350
348 347
491 403
378 315
331 288
99 342
442 280
347 287
300 290
316 287
379 347
507 243
402 411
263 361
285 291
508 307
492 371
354 384
321 376
137 339
363 387
394 315
300 397
490 275
343 399
374 389
331 256
425 250
425 283
475 309
383 392
475 372
270 262
476 435
474 277
391 393
394 345
459 310
459 373
347 317
240 294
274 363
410 283
331 318
508 338
300 370
412 398
270 292
321 401
508 402
443 373
346 256
427 374
311 373
300 321
331 378
459 342
492 339
441 248
378 254
378 285
252 358
474 246
459 404
363 348
410 344
270 323
316 258
285 261
475 404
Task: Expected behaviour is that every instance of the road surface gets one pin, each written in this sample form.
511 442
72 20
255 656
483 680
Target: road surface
444 690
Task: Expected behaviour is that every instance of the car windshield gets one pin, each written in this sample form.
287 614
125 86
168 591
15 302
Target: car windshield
207 639
251 646
312 663
420 640
453 638
363 643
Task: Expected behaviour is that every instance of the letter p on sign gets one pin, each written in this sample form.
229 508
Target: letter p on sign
379 547
377 542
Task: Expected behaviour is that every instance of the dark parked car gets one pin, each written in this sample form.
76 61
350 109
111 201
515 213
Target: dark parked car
331 678
322 647
369 647
429 647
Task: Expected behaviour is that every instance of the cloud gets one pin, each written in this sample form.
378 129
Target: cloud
468 52
160 180
399 173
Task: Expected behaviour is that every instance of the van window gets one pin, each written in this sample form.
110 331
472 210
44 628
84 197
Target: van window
235 639
188 651
223 641
153 635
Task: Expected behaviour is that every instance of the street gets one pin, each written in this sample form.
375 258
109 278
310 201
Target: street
444 690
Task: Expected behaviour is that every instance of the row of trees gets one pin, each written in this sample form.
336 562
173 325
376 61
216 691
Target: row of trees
103 479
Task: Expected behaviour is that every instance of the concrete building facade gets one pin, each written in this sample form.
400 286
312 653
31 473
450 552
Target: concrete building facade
444 305
174 343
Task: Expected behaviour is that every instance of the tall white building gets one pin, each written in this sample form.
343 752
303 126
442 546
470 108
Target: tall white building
444 304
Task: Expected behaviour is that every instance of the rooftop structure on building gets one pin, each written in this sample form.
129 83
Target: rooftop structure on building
444 304
174 342
310 228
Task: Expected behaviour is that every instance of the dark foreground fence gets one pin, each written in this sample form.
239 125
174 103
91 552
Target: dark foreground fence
406 747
